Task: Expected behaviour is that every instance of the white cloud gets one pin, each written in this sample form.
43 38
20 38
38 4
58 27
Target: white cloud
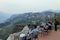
18 6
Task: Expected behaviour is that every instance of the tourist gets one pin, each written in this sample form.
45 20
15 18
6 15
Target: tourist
29 37
34 33
23 36
56 23
50 26
46 29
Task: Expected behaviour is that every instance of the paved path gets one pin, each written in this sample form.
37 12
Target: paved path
53 35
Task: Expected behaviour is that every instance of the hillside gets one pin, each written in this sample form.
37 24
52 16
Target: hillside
4 16
8 27
28 18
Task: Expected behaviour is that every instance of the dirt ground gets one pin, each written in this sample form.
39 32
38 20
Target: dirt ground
53 35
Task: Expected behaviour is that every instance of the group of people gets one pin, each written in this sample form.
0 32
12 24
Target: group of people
39 30
35 30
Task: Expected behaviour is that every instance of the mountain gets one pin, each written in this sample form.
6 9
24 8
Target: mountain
9 26
4 17
27 18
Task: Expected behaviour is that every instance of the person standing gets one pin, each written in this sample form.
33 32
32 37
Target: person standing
56 23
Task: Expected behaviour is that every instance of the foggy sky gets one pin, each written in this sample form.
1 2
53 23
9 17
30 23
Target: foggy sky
21 6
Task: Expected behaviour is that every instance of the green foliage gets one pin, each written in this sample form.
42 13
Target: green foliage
58 19
9 27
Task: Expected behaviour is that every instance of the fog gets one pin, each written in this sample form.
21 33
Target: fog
21 6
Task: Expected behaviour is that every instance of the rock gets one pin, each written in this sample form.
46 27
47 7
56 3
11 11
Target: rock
12 36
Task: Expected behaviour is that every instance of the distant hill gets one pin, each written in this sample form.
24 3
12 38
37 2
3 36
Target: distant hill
26 18
4 17
9 26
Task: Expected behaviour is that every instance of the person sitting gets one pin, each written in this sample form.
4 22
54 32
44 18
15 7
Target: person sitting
33 33
29 37
50 26
46 29
41 29
23 36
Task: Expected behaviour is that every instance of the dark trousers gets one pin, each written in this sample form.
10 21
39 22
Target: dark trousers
29 39
24 38
55 27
